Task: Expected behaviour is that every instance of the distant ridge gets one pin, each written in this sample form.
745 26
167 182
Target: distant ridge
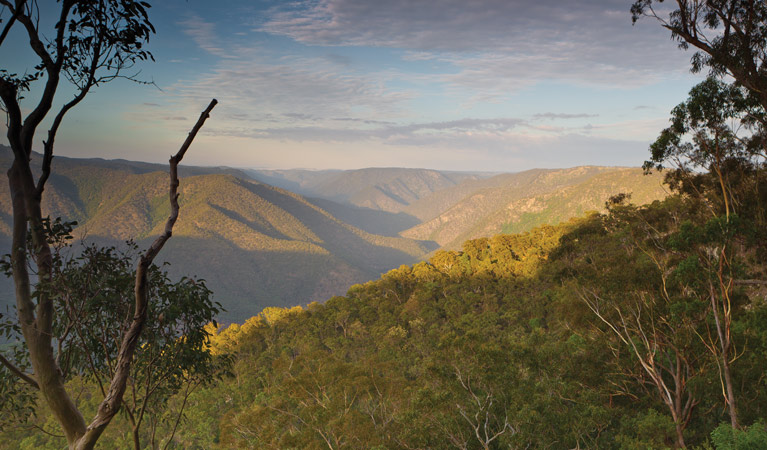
255 244
260 245
385 189
513 203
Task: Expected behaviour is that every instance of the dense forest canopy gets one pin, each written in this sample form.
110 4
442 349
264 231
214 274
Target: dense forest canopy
541 339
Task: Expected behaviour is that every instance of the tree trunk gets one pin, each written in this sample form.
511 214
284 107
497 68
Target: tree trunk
136 439
36 321
728 386
724 340
679 435
37 330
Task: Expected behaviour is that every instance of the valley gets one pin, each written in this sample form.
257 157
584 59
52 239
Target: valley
282 238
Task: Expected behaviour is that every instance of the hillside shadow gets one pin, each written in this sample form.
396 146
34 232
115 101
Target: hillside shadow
256 226
247 281
64 186
373 221
338 239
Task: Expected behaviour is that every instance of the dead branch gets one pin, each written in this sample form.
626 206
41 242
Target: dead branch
111 403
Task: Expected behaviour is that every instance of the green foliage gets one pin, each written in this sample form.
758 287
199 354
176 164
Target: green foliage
729 37
724 437
94 302
495 338
645 430
18 397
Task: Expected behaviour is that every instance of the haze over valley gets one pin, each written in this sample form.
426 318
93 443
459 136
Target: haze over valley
310 235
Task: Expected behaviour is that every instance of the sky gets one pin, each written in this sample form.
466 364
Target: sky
480 85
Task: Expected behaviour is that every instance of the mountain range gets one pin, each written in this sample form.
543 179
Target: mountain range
276 238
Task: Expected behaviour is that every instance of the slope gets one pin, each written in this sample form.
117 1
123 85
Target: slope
256 245
384 189
518 202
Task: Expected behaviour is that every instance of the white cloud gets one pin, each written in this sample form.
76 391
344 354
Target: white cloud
554 116
510 151
463 55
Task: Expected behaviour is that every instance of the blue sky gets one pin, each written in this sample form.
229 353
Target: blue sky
492 85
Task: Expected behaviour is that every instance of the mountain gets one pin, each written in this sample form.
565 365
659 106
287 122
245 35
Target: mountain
299 181
518 202
260 245
450 207
383 189
546 339
256 245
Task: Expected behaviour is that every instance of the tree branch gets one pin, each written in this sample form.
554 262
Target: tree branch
19 373
11 21
111 403
8 94
53 69
48 145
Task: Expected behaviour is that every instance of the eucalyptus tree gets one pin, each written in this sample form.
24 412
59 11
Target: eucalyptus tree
91 42
721 128
730 36
716 145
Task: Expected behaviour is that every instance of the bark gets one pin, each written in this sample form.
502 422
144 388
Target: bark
722 331
36 320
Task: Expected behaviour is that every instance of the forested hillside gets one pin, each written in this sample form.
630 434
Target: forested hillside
548 338
518 202
643 327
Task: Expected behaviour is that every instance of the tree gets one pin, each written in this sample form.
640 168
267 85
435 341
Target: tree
93 42
731 40
730 37
93 305
651 320
92 293
716 130
716 141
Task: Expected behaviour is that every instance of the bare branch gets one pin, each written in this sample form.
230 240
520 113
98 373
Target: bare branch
48 144
111 403
157 245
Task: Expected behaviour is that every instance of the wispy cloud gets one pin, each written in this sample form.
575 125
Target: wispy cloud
203 34
521 41
297 86
467 133
553 116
